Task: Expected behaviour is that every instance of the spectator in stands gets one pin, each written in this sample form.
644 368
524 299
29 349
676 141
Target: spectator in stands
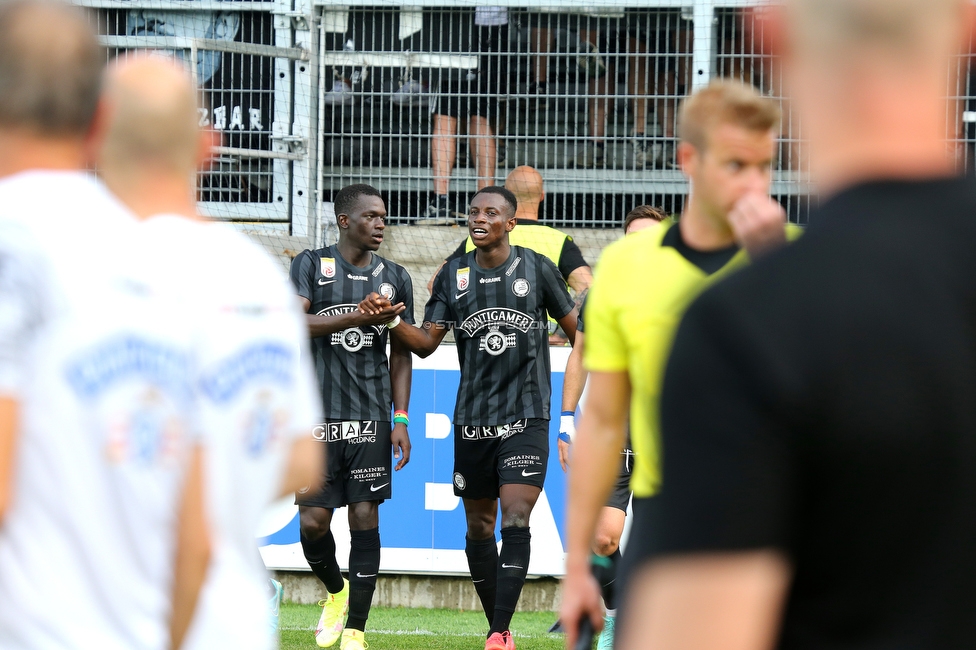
598 31
476 98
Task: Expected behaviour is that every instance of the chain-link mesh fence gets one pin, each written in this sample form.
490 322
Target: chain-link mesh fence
436 99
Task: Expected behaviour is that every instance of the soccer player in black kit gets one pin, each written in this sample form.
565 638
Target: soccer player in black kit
496 298
358 384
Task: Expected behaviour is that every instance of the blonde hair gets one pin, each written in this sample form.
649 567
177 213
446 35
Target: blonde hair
725 102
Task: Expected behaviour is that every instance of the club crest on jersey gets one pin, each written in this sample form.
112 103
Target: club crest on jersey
521 287
327 266
387 291
462 278
352 339
495 343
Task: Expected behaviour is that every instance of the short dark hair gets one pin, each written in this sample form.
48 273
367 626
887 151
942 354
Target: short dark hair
644 212
502 192
347 197
51 67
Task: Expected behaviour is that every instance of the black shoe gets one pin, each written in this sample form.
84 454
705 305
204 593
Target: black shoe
439 215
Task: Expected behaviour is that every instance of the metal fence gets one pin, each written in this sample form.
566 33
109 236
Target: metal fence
252 62
587 95
426 97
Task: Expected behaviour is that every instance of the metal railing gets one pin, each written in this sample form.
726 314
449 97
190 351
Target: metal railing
252 62
311 96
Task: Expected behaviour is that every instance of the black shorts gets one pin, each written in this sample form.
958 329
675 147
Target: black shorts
359 464
485 458
637 551
476 92
620 497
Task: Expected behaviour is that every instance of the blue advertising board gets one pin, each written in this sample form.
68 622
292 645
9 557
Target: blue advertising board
422 527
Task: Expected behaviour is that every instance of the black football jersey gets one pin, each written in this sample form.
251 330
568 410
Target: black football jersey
499 318
352 366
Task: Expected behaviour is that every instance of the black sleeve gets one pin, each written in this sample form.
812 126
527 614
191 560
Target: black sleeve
728 465
406 293
302 273
459 251
438 309
556 299
570 258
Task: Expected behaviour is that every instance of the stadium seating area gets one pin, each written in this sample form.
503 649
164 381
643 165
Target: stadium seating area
311 100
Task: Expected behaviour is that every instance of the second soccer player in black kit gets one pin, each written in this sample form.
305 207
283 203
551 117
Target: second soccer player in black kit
358 385
496 298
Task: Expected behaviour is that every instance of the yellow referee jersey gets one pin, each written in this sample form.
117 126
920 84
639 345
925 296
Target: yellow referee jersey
639 293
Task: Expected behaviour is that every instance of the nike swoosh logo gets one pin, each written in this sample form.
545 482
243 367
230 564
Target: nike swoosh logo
474 582
524 473
374 488
458 296
368 575
510 566
322 283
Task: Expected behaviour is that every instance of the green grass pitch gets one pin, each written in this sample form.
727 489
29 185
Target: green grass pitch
421 629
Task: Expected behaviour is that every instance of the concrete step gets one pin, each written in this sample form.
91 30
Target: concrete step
428 592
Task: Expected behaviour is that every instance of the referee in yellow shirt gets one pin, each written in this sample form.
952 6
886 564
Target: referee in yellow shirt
642 285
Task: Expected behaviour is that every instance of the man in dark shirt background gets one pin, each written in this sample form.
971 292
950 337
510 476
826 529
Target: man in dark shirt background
819 408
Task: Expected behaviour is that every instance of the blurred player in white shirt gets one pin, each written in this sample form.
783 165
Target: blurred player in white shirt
102 538
257 396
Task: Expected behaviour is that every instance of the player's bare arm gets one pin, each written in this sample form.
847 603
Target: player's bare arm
573 382
325 325
304 469
728 601
758 224
401 372
422 340
9 408
580 279
192 550
598 443
568 323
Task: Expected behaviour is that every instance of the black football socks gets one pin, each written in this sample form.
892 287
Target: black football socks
320 555
483 565
513 564
364 564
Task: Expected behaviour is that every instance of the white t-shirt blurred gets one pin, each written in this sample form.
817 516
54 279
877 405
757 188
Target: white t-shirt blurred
99 357
257 396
